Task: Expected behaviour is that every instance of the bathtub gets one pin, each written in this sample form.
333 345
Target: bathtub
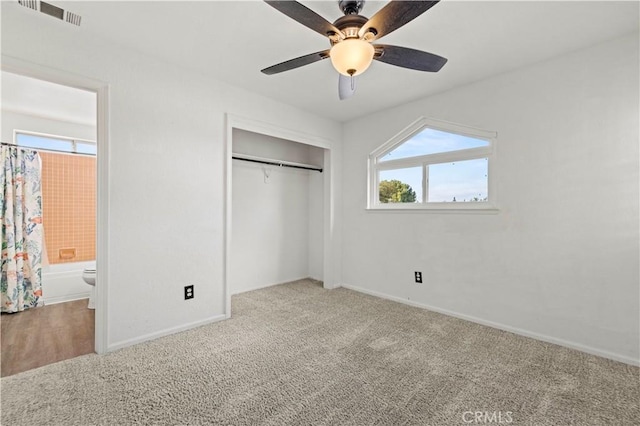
63 282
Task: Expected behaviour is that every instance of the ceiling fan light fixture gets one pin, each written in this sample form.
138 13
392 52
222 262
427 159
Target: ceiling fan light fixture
351 56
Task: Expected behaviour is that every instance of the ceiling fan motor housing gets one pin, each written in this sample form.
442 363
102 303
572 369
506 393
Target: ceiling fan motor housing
350 24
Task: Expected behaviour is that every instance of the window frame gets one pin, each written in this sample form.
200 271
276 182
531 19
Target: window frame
375 166
74 142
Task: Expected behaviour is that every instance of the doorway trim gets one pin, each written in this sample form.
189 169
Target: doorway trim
101 89
276 131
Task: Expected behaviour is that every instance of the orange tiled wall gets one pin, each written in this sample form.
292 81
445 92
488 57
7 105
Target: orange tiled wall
69 206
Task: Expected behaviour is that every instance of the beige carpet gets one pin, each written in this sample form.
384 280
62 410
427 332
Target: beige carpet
297 354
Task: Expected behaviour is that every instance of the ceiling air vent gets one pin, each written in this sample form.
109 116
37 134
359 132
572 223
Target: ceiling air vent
31 4
72 18
52 10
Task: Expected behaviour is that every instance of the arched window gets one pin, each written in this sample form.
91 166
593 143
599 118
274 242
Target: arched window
434 164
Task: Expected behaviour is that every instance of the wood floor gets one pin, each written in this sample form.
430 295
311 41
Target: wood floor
45 335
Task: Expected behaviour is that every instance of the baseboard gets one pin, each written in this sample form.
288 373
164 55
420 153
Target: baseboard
162 333
515 330
258 287
66 298
261 286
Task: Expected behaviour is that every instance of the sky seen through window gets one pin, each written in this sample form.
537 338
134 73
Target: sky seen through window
455 181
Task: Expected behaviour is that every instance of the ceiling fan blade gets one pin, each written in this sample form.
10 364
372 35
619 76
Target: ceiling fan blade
409 58
297 62
345 87
394 15
305 16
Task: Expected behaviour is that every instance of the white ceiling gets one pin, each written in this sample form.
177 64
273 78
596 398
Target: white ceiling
234 40
30 96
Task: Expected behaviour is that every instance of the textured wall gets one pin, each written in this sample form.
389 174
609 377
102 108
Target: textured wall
559 261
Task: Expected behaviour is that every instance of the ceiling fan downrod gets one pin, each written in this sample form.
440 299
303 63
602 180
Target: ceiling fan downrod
351 7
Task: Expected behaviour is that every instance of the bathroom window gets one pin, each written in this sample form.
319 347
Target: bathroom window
434 165
55 143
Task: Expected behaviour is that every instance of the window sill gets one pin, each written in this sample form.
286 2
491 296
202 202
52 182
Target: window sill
445 209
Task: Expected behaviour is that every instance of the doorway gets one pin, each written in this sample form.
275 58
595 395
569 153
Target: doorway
49 135
99 90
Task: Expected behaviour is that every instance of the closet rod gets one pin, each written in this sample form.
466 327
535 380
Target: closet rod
276 162
48 150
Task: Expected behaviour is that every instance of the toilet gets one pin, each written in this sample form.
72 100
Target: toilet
89 277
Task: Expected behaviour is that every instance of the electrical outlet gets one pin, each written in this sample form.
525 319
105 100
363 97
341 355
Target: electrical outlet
188 292
418 276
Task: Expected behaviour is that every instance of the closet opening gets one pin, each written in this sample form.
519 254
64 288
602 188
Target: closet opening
278 199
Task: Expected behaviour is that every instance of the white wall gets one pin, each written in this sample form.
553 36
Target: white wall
272 222
18 121
560 260
166 172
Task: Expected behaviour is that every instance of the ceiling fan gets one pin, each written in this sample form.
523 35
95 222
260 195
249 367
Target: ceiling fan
351 38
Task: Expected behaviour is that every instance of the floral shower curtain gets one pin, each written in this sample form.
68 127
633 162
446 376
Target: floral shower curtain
22 230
